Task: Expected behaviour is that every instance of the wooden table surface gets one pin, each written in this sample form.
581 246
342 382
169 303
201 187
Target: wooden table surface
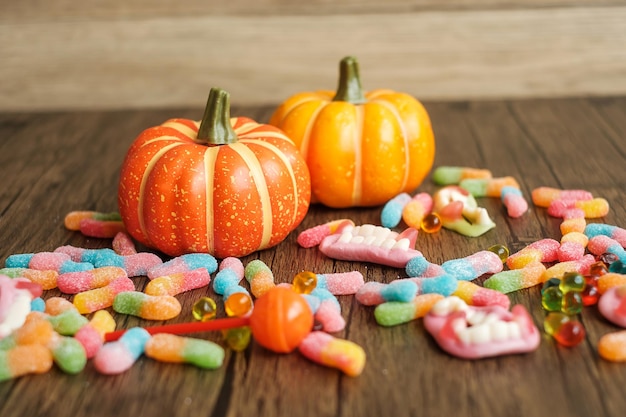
53 163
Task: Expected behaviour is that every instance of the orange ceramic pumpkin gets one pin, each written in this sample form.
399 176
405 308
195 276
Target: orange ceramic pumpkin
224 186
362 149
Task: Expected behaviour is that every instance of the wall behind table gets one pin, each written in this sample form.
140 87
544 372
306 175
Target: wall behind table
63 54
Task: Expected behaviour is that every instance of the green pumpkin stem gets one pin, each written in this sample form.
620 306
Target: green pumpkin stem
349 88
215 128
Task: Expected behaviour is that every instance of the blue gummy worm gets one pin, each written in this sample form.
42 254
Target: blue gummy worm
200 260
20 260
460 268
443 284
322 282
391 214
509 190
313 302
224 279
597 229
324 294
71 266
92 255
135 340
38 304
417 266
108 258
403 290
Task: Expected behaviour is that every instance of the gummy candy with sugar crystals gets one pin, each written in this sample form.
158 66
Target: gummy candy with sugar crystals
603 244
180 282
488 187
328 314
543 196
369 243
444 284
314 236
46 261
591 209
341 283
614 232
473 266
184 263
612 305
123 244
610 280
391 214
476 332
75 282
573 225
101 229
72 219
23 360
260 277
234 264
337 353
93 300
417 209
515 203
581 265
392 313
419 266
451 175
117 357
475 295
516 279
374 293
149 307
612 346
543 250
176 349
47 279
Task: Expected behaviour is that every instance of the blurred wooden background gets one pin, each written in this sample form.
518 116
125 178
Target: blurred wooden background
66 54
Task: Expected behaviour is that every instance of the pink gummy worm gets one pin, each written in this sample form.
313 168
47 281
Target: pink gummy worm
75 282
475 295
44 261
140 263
543 196
344 283
329 316
123 244
233 264
601 244
516 205
314 236
327 350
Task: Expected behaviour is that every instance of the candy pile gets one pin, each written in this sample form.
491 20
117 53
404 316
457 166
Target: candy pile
463 302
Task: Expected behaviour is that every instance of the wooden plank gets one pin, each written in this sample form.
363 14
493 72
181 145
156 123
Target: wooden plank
31 10
157 62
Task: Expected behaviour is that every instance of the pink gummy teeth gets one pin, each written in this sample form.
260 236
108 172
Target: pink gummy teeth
370 243
471 332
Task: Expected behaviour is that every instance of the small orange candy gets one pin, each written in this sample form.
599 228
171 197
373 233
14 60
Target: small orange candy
281 320
238 304
431 223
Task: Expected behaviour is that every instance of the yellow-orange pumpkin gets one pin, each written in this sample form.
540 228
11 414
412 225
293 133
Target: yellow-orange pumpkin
224 186
362 149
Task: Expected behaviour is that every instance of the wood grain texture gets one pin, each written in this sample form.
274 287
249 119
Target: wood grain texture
133 57
55 162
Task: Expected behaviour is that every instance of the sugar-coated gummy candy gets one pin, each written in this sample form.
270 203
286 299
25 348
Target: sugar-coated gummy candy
614 232
419 266
23 360
374 293
543 250
68 354
580 265
184 263
93 300
47 279
68 322
100 228
391 214
73 218
123 244
226 278
117 357
260 277
75 282
516 279
57 305
341 283
314 236
179 282
148 307
393 313
475 295
610 280
514 201
570 225
488 187
444 284
328 315
543 196
473 266
450 175
176 349
612 346
330 351
417 209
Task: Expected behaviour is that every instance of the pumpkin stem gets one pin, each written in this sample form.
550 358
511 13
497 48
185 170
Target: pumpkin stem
349 88
215 128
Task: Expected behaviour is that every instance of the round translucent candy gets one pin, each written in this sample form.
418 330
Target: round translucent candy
238 304
570 333
572 303
204 309
572 281
500 250
431 223
304 282
590 294
551 298
553 322
237 338
608 258
552 282
598 269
